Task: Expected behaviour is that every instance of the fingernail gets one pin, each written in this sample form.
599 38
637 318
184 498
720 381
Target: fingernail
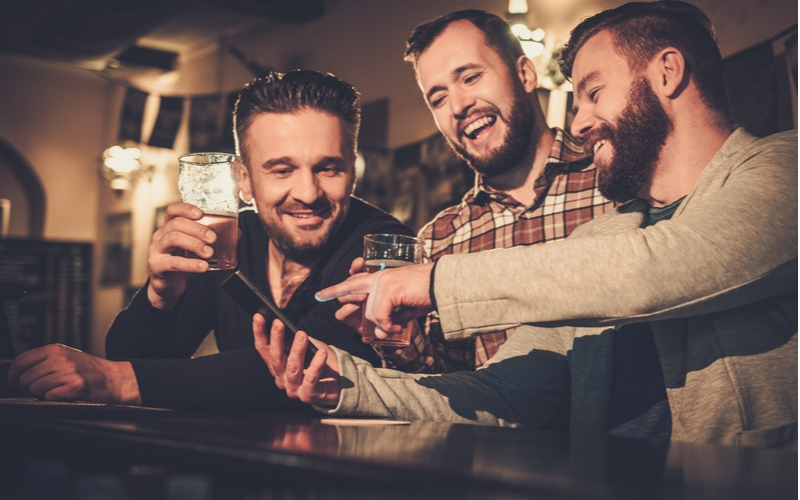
321 299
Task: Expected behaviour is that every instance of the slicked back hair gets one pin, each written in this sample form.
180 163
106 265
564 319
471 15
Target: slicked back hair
496 33
295 91
641 29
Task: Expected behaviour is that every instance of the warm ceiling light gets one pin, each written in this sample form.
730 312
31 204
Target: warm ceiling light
120 166
517 6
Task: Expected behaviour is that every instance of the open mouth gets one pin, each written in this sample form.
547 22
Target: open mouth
597 145
474 129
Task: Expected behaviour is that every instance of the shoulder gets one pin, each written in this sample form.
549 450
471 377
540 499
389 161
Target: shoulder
742 145
348 243
454 217
364 218
774 155
444 220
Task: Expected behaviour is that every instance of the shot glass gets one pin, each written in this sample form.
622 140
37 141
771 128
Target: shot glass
384 251
210 181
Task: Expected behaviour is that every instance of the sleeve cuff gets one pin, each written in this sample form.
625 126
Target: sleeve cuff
348 394
430 288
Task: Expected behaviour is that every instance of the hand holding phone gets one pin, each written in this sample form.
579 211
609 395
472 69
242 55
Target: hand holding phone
253 301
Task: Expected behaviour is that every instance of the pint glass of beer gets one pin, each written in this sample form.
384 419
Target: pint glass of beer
384 251
210 181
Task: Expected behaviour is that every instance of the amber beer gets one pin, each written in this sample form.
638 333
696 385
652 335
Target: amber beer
386 251
210 181
401 339
226 226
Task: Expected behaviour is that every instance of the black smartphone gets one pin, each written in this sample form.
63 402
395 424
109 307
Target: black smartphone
252 300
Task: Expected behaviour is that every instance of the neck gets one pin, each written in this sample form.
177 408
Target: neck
689 148
285 275
519 182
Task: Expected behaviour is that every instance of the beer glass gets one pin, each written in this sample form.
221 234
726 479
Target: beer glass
384 251
210 181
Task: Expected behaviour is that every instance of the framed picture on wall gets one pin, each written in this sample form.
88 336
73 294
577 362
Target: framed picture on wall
117 246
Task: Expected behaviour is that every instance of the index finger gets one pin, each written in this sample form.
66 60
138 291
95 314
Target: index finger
360 283
185 210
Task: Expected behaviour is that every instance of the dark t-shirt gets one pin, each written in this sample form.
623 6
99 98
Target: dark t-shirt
639 406
159 343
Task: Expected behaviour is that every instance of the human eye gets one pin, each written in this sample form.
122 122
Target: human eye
281 172
437 100
472 78
330 169
594 94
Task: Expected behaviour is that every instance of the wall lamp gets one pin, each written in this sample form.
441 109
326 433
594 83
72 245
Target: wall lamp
121 167
532 40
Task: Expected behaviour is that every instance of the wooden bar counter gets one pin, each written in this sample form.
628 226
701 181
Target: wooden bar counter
266 456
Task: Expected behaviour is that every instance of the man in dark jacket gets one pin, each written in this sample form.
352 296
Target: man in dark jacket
296 134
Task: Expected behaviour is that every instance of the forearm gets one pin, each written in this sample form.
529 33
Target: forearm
141 330
144 331
736 245
232 379
525 384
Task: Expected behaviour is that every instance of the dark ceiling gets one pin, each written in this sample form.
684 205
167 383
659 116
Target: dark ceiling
92 32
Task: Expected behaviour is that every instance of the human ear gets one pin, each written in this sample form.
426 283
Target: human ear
245 183
527 74
670 69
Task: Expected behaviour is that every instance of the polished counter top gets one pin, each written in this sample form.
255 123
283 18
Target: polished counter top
298 455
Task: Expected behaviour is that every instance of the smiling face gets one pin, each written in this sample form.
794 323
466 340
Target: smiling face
620 118
300 172
479 105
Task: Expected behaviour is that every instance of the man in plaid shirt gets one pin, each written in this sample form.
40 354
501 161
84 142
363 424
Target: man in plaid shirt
532 184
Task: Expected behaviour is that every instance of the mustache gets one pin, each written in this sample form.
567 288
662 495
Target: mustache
319 205
602 133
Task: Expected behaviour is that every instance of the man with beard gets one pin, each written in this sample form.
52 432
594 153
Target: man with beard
296 134
532 185
702 263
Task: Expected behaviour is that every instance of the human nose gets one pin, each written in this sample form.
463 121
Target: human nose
582 123
307 189
460 103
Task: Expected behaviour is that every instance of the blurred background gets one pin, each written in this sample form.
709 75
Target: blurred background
99 98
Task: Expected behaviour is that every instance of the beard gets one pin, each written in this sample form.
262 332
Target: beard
302 252
637 137
517 142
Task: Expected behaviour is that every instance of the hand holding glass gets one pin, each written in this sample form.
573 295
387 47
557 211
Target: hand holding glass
210 181
383 251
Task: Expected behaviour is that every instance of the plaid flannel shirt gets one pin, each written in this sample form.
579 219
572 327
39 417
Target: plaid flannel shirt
566 196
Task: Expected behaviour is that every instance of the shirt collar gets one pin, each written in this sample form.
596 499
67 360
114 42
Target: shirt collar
566 149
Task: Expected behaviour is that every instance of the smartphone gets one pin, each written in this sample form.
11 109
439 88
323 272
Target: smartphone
252 300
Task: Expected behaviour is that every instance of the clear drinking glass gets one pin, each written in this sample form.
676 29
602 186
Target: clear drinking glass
210 181
384 251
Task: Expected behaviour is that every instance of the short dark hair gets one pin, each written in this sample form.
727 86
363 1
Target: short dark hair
641 29
496 33
295 91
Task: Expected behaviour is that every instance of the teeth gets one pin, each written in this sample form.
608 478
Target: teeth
480 122
597 146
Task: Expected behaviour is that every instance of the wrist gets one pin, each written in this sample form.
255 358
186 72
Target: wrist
127 385
157 300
